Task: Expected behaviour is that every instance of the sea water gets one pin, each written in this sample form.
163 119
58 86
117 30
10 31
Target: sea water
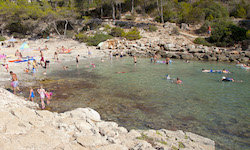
140 97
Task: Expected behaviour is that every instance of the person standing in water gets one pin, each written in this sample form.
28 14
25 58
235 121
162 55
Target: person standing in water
178 81
89 52
15 82
32 94
42 92
135 59
110 54
77 60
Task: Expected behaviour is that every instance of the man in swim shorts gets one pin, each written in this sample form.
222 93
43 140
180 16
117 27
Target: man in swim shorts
15 82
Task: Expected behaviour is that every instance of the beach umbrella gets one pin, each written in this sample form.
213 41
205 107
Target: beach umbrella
12 40
25 47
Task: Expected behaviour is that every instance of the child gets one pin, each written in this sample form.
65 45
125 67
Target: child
32 94
48 95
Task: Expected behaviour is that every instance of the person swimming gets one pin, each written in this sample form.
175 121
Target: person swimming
227 79
168 77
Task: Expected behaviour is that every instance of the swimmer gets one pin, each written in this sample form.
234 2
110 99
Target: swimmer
135 59
168 77
178 81
225 71
205 70
227 79
167 60
102 59
65 67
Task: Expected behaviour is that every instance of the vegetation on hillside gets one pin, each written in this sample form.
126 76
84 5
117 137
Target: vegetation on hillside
67 18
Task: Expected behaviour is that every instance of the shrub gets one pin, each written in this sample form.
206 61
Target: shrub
133 34
97 38
248 34
81 37
203 28
152 28
2 38
129 17
106 27
225 33
18 35
69 34
117 32
176 31
202 41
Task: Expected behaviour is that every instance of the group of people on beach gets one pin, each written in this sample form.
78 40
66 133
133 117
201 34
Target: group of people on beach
42 92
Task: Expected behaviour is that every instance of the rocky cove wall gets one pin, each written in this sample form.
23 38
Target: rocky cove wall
24 126
181 51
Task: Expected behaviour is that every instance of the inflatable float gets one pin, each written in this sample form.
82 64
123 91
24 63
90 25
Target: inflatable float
161 62
15 60
66 51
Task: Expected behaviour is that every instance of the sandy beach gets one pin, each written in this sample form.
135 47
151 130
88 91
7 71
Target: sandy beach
52 44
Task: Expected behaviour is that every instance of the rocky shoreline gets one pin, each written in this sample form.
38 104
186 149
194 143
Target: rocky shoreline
24 126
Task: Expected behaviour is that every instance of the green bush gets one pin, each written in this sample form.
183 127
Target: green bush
225 33
176 31
152 28
117 32
203 28
202 41
81 37
248 34
69 34
2 38
18 35
129 17
133 34
97 38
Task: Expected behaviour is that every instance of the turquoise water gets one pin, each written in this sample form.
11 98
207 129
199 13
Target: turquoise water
142 98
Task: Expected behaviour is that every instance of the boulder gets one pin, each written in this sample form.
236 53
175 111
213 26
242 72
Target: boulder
168 46
222 58
89 113
187 56
176 56
198 55
196 50
244 59
91 141
205 143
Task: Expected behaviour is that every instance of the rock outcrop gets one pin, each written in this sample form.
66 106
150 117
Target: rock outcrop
23 126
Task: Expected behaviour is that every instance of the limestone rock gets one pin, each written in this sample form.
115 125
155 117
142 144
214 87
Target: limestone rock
90 113
90 141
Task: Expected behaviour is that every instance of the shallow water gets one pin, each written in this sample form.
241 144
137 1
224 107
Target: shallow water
142 98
